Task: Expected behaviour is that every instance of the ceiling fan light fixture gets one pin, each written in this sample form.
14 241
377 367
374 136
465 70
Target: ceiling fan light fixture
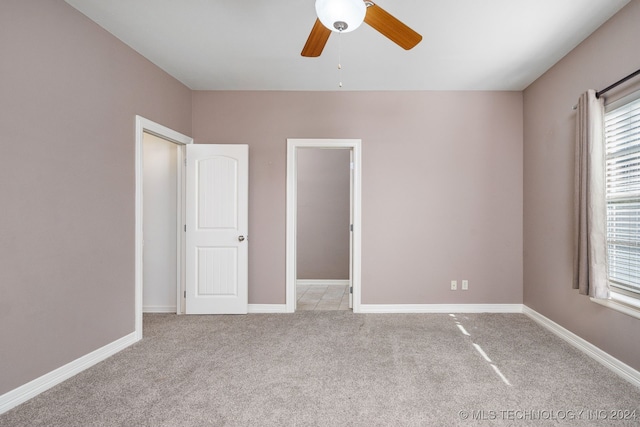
341 15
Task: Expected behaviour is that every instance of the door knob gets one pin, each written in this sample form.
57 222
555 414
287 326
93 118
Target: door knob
240 238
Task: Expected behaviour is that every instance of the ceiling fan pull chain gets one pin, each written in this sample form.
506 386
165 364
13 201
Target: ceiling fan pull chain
340 58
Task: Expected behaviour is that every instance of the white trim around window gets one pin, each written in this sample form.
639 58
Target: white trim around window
622 303
622 139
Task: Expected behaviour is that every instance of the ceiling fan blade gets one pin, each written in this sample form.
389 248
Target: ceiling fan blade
391 27
316 41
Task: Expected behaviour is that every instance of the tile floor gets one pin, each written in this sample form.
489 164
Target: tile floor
322 298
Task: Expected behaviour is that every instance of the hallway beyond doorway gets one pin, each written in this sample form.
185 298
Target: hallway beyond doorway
322 297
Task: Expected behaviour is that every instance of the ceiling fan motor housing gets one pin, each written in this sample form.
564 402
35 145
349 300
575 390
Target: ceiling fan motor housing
338 16
341 15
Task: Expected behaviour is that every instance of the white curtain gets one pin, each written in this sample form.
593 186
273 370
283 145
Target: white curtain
590 210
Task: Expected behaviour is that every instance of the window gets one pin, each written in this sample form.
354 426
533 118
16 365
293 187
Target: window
622 136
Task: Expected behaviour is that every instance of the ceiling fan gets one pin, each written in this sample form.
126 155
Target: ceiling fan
343 16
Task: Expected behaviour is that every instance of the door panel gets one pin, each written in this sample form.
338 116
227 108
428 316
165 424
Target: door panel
217 195
217 222
217 271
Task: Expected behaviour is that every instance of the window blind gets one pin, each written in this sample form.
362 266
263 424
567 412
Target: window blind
622 136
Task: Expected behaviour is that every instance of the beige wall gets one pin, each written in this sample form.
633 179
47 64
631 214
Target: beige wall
69 93
606 56
323 214
441 183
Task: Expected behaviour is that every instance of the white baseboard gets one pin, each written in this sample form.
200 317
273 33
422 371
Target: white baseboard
320 282
159 309
440 308
267 308
615 365
33 388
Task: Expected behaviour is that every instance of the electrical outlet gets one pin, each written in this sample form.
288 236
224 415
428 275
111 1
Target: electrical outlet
454 285
465 285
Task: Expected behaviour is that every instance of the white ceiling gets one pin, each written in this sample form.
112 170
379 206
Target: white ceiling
256 44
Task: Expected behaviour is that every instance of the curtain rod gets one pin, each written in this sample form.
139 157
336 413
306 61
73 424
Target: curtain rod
616 84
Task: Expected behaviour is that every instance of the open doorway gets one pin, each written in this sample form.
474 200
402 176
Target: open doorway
323 230
147 129
162 184
323 213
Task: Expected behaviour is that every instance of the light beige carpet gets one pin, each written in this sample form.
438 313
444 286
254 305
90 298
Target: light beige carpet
338 369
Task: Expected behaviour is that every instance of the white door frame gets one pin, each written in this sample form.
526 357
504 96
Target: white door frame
356 199
144 125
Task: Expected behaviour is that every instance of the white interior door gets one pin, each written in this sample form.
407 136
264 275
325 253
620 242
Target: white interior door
216 229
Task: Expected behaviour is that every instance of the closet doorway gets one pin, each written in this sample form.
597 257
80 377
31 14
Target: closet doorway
162 216
161 300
